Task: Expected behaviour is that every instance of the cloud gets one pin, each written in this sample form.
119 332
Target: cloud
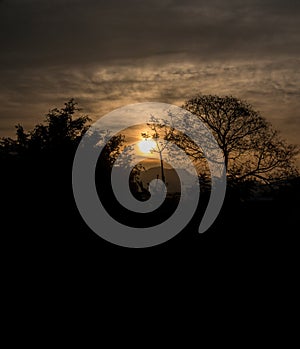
271 87
70 32
111 53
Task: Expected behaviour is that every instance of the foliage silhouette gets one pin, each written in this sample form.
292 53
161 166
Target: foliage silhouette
252 149
62 131
36 179
37 198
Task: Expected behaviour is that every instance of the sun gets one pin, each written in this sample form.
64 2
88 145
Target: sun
146 145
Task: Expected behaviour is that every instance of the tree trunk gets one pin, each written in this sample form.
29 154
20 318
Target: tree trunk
162 168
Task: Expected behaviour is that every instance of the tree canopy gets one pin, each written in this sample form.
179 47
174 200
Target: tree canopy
61 131
252 149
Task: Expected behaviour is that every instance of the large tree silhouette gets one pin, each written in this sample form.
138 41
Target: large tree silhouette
252 149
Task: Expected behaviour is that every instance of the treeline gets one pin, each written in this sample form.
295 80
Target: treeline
40 213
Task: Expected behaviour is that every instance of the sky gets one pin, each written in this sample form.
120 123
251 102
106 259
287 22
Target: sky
109 53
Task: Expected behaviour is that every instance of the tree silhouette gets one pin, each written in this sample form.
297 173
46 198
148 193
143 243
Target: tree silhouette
165 135
159 146
36 166
252 149
61 131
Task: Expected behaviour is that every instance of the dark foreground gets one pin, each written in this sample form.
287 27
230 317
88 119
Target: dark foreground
41 228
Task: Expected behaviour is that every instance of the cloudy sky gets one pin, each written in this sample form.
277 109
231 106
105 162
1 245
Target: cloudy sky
108 53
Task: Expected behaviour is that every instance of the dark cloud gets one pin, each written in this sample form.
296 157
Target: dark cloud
83 32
